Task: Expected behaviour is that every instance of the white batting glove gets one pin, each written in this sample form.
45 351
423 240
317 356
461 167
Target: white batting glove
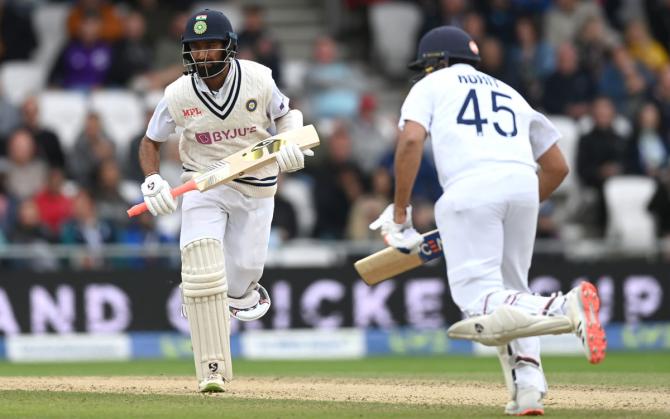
401 236
157 196
290 158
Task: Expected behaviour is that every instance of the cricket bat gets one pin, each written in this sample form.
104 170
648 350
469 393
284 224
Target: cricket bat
244 161
389 262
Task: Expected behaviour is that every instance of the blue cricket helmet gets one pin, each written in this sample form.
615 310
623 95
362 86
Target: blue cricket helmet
442 44
208 25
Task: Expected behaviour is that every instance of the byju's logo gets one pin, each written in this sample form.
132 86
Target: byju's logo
203 137
228 134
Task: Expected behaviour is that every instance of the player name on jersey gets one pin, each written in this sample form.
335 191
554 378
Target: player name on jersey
477 79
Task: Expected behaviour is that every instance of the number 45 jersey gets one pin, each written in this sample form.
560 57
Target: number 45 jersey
477 123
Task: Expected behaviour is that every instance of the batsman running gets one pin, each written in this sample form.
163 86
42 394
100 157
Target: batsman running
223 105
496 159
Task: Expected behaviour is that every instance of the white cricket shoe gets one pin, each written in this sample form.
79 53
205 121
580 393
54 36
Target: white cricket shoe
583 305
528 403
212 384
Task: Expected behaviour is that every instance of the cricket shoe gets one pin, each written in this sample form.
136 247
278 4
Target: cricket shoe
528 403
583 305
212 384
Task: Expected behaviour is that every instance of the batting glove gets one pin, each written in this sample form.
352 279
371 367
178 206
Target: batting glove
290 158
401 236
157 196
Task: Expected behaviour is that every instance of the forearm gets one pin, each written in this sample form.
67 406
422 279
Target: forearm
548 183
149 156
407 161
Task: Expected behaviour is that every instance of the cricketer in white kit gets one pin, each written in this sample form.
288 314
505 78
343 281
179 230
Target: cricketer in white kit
488 143
223 105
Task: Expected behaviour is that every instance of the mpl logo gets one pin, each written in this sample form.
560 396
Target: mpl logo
191 112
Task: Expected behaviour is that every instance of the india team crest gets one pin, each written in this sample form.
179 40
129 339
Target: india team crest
251 105
200 27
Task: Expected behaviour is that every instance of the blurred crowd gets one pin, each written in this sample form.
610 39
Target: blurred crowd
603 64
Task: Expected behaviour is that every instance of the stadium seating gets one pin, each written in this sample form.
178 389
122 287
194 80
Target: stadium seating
393 47
631 227
50 27
568 145
20 79
64 112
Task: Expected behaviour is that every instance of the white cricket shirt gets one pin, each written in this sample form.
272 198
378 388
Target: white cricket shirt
476 122
161 125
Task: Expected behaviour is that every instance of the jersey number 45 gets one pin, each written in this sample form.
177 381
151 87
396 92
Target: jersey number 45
478 121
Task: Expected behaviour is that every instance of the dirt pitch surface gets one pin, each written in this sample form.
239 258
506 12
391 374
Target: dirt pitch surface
401 391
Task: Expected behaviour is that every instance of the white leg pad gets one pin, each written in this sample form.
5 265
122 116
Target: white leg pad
507 323
507 364
205 291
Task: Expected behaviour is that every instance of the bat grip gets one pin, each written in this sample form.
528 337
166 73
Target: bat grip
178 191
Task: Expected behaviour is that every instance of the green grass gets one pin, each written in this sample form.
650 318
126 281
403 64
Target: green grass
646 371
22 404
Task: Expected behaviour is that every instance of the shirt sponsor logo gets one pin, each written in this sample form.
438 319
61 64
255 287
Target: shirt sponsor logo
227 134
191 112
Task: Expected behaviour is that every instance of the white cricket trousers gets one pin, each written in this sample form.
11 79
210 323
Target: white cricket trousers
487 222
240 223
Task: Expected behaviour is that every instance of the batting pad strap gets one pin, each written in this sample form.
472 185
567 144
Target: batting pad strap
507 364
507 323
203 268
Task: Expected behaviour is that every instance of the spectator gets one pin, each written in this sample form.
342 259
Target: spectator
91 148
493 60
647 150
17 36
53 205
25 171
85 61
30 231
594 44
564 20
500 20
111 25
427 186
658 16
107 196
132 169
338 183
625 82
132 56
475 25
532 59
546 225
600 156
10 119
48 144
88 229
332 86
372 134
661 97
645 48
442 12
284 220
7 209
156 14
568 90
367 207
142 232
255 43
168 65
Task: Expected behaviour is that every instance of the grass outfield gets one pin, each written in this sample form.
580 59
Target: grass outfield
640 375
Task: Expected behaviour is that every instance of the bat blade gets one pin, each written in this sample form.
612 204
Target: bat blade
251 158
390 262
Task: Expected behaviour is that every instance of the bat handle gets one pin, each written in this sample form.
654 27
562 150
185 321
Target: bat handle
179 190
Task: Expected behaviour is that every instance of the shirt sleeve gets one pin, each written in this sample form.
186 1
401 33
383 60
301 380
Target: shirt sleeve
161 125
543 134
417 107
279 104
